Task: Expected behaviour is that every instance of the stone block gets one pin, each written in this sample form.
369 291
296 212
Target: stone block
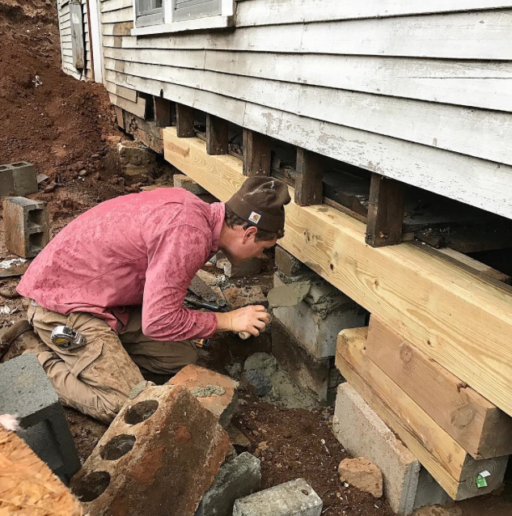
236 479
216 392
288 264
295 498
245 296
363 434
160 455
362 474
27 392
27 227
136 154
318 376
187 183
247 269
18 178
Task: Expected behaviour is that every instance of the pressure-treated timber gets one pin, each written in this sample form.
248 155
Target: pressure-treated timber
442 456
308 181
482 429
217 135
184 121
456 318
163 112
257 154
385 211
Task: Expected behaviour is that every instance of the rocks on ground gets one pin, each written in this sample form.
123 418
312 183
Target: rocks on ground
363 474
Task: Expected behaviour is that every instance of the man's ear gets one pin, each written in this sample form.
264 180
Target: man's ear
249 233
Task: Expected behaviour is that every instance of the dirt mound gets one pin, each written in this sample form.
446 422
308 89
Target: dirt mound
60 124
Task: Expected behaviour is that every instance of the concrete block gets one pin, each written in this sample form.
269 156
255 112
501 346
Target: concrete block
247 269
185 182
27 392
318 376
295 498
18 178
363 434
288 264
27 227
240 297
160 455
216 392
236 479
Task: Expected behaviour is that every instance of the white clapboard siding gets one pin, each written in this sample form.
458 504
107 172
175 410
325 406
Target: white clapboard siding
121 15
478 133
117 29
279 12
114 5
121 91
450 36
481 183
466 83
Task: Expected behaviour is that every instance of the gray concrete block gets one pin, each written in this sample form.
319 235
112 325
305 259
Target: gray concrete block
27 227
236 479
295 498
250 268
19 178
288 264
362 432
27 392
185 182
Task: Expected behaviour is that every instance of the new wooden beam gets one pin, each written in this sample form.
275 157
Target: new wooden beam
385 211
257 154
440 454
163 112
482 429
461 321
184 121
217 137
308 180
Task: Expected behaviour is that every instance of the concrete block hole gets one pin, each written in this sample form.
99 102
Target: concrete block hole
35 217
3 167
141 412
20 164
117 447
92 486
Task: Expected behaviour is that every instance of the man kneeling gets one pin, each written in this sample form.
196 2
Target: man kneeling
118 274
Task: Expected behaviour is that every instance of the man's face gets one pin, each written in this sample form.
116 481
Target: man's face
244 246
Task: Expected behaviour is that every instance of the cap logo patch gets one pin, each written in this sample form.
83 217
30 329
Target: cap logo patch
254 217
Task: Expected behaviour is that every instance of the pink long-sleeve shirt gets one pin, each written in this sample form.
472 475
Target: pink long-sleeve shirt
141 249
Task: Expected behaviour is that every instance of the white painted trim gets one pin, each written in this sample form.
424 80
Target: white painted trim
95 34
211 22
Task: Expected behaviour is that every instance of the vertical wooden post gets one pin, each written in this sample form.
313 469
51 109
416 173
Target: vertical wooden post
184 121
308 181
385 211
162 108
217 141
257 154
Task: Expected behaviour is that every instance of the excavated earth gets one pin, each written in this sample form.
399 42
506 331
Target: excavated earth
67 129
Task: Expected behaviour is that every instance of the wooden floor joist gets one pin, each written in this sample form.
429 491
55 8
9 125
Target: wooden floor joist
308 181
184 121
163 112
482 429
217 135
461 321
257 154
454 469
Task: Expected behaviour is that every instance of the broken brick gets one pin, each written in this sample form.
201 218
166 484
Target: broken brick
216 392
161 453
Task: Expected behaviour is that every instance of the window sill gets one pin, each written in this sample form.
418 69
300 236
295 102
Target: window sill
212 22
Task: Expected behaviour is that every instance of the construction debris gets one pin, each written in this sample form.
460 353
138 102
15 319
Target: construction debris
18 178
363 474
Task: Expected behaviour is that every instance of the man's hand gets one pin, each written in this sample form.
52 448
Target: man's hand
251 319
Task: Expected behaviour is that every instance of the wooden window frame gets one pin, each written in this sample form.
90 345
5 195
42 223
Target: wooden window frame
169 24
149 19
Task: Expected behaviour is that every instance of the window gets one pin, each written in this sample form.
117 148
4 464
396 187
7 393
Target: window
162 16
149 12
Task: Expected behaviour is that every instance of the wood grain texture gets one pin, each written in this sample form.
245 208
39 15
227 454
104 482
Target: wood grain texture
385 211
163 112
27 485
184 121
446 461
257 154
472 421
308 181
459 320
217 135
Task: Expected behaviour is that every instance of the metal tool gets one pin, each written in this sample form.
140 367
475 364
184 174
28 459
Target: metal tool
67 338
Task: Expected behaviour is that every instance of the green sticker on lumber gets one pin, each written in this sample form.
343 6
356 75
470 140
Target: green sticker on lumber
481 481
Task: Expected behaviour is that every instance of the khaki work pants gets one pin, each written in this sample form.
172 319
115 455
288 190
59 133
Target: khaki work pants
97 378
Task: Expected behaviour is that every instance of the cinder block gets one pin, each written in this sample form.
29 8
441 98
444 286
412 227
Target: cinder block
216 392
295 498
250 268
160 455
27 392
318 376
236 479
27 228
363 434
18 178
185 182
288 264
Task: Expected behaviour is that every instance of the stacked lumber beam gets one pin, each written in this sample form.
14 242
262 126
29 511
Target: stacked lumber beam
451 429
